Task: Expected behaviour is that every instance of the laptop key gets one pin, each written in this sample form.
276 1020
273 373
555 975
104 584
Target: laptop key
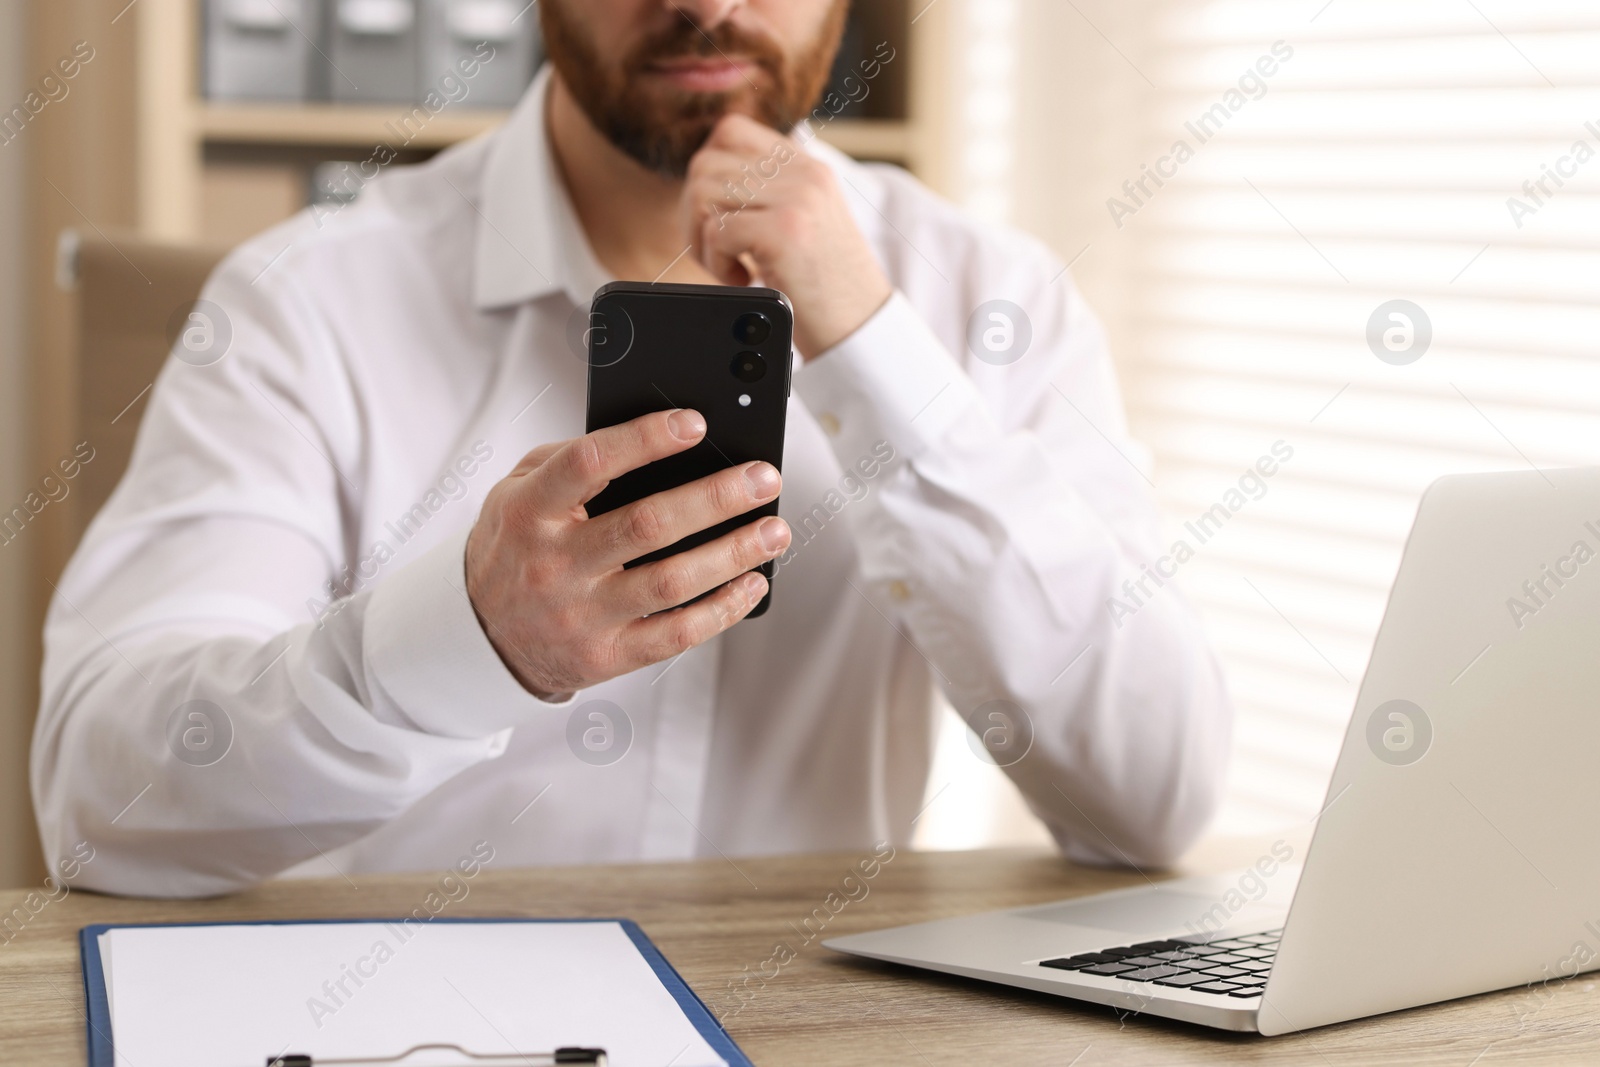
1192 965
1230 959
1158 946
1258 966
1150 974
1226 972
1214 987
1181 980
1142 961
1085 959
1065 964
1258 953
1246 992
1107 968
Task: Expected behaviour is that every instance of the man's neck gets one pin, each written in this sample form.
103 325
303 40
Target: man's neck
630 215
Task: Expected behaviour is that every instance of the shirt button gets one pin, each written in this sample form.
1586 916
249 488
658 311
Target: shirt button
829 423
900 591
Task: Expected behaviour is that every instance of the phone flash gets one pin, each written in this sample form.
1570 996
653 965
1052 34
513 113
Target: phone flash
744 400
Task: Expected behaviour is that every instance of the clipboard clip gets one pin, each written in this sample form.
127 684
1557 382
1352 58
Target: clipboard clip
594 1057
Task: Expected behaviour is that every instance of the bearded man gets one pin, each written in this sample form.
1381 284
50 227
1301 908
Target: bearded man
347 612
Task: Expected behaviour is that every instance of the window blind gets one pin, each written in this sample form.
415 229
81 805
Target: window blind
1445 153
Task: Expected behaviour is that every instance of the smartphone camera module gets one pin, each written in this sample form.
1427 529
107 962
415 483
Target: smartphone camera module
749 367
752 328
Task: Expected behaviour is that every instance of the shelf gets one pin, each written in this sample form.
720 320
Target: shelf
343 125
189 148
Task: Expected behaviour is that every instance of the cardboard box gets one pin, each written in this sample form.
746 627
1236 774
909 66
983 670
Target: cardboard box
261 49
372 49
458 34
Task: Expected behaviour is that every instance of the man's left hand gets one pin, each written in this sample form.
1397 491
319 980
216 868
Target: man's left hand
756 207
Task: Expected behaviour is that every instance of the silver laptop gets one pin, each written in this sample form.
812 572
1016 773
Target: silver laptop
1456 849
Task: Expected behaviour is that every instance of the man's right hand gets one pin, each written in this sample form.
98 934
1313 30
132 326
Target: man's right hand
547 580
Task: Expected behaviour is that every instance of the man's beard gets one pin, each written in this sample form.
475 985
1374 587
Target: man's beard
664 131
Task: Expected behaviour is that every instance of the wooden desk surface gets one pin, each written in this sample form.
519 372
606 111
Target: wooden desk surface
713 920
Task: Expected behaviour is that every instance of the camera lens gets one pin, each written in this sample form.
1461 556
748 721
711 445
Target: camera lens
749 367
752 328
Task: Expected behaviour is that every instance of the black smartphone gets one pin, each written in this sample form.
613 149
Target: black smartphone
723 351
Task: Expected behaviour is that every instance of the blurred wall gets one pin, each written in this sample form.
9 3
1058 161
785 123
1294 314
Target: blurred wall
16 713
1084 107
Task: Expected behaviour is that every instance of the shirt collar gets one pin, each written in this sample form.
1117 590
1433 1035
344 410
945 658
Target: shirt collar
529 241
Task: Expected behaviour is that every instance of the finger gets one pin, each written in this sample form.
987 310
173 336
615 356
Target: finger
672 633
537 458
665 518
713 252
713 170
740 133
720 182
762 235
669 583
714 190
585 465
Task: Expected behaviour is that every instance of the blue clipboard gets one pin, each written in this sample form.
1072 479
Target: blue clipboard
99 1013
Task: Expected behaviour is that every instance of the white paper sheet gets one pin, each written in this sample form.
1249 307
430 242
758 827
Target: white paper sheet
232 996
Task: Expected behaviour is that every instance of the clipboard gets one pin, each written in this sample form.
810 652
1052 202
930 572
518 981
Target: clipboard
98 1015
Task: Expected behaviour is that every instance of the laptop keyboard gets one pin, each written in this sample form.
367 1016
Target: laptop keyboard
1229 966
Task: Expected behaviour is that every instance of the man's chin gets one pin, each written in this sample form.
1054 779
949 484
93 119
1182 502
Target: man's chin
662 128
676 135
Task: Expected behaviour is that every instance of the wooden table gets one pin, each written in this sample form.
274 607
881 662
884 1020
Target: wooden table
715 918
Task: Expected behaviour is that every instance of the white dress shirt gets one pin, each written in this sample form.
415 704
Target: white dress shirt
385 365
